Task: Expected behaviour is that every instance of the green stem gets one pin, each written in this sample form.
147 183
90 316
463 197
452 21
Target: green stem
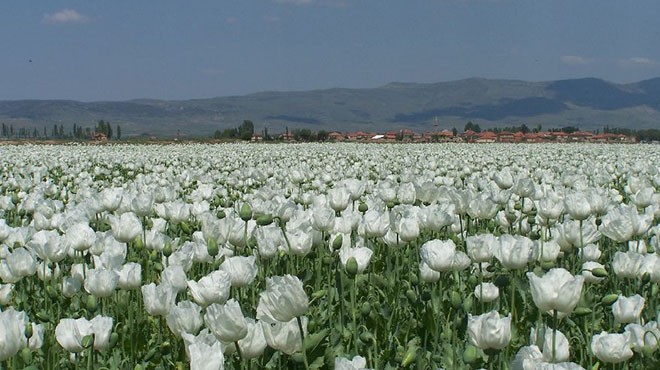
353 316
302 339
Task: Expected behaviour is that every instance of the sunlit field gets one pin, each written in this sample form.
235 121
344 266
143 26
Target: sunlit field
321 256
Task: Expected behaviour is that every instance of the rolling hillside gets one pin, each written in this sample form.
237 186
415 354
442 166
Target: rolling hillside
587 103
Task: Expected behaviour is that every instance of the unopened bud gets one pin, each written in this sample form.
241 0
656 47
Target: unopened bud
246 212
167 249
352 267
599 272
582 311
609 299
363 207
212 247
338 242
470 354
91 303
264 220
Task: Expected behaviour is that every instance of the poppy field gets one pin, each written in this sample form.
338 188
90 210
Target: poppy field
329 256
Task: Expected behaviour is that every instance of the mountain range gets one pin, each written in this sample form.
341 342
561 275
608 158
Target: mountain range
586 103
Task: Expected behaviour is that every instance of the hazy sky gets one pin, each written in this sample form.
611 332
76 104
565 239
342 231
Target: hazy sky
117 50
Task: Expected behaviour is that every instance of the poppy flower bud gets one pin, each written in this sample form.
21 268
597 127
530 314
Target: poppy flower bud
338 242
412 296
246 212
470 354
91 303
609 299
167 249
366 338
264 220
87 341
363 207
599 272
351 267
456 299
582 311
365 310
212 247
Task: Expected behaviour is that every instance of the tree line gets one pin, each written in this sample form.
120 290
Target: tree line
58 131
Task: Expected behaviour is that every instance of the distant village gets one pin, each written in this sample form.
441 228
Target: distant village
468 136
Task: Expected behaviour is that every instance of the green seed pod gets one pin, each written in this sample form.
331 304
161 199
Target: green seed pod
139 244
26 355
351 267
158 267
534 235
337 242
87 341
220 214
467 305
412 296
28 330
365 310
366 338
264 220
246 212
455 299
599 272
363 207
167 250
212 247
390 204
582 311
598 221
470 354
114 338
185 227
414 279
609 299
91 303
472 280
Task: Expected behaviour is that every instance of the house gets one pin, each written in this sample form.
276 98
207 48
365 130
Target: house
99 136
336 136
580 136
486 137
359 136
287 136
506 137
256 138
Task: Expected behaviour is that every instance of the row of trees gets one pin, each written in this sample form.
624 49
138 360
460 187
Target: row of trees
57 131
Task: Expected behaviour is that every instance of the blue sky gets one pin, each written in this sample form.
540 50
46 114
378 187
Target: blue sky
119 50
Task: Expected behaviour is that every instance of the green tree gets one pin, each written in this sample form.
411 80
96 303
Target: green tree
118 132
246 130
322 135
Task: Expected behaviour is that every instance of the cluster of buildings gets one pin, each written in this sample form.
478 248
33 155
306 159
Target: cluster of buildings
469 136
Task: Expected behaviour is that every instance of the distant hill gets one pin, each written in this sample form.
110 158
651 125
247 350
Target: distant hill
587 103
